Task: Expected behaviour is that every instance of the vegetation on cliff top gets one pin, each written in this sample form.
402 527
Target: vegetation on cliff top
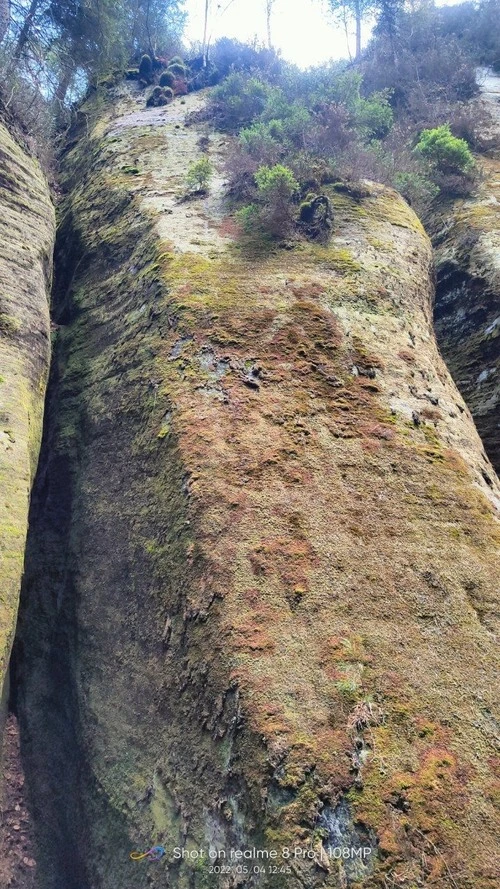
401 115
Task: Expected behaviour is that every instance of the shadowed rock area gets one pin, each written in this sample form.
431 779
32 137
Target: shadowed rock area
260 589
466 237
17 850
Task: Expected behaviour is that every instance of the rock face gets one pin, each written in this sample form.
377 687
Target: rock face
260 588
26 244
466 237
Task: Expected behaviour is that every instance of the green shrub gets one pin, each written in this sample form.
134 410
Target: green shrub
239 100
161 95
198 175
263 141
293 117
344 89
167 79
276 189
373 117
176 60
444 151
276 183
176 69
145 68
249 218
416 188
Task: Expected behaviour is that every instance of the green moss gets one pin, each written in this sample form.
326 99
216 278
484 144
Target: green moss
251 494
9 324
341 259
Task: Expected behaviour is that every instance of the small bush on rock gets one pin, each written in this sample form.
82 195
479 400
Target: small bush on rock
167 79
316 216
176 69
161 95
146 68
417 189
276 189
198 175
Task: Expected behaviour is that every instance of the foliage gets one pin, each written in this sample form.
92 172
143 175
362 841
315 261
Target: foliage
274 211
276 183
238 100
374 117
161 95
264 141
416 188
167 79
228 55
145 68
61 46
328 122
447 153
177 69
366 121
198 175
424 62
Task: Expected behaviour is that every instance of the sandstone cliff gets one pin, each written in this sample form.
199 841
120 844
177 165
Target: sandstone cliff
26 244
260 590
466 237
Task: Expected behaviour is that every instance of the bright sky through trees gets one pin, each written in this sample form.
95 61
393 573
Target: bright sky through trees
303 30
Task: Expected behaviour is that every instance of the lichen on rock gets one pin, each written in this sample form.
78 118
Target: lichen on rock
26 243
466 237
263 607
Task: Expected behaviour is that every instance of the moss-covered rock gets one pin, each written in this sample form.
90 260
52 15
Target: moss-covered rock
467 308
466 237
261 607
26 243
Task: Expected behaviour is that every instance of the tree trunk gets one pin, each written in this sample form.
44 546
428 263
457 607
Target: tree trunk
205 30
345 21
4 18
148 32
63 86
24 33
357 14
269 7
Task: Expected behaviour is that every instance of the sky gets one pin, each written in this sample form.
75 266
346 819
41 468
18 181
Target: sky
303 30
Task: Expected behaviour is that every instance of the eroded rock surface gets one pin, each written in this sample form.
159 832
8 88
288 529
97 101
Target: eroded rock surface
466 237
260 593
26 244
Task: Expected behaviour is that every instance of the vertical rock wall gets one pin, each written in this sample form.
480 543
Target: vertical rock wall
466 238
26 245
261 583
